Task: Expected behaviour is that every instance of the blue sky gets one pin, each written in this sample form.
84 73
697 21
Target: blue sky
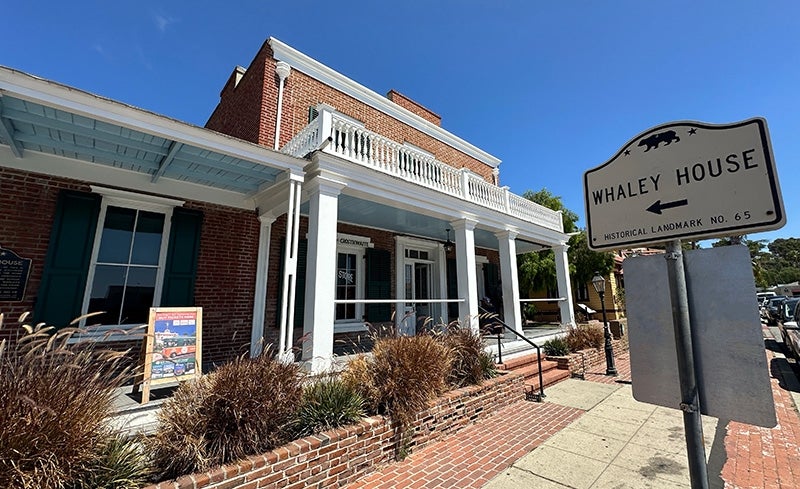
551 88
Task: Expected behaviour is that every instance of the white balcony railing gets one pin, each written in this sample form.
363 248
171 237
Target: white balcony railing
354 143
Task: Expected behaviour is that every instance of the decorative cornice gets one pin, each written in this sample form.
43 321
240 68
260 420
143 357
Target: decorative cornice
315 69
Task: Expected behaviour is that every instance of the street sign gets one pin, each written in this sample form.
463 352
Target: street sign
684 179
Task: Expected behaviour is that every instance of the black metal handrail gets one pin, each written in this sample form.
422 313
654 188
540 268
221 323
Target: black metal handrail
495 319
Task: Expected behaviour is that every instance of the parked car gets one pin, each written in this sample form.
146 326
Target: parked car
790 333
774 309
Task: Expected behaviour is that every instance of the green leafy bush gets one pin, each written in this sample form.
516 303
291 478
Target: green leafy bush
121 463
470 362
328 403
55 398
556 347
243 408
585 336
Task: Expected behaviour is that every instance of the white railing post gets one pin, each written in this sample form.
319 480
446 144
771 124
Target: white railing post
506 199
324 119
465 183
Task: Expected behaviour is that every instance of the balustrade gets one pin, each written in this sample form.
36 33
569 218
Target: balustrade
355 143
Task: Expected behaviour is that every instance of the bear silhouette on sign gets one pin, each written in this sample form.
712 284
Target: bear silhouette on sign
653 141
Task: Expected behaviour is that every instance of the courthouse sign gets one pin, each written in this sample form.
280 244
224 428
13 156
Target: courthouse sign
684 180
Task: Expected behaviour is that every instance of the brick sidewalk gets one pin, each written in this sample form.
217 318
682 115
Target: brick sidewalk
765 458
472 457
756 457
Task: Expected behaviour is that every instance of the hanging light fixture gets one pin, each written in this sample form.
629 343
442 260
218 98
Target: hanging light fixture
449 245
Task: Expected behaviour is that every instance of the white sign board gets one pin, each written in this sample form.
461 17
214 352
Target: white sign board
731 367
684 180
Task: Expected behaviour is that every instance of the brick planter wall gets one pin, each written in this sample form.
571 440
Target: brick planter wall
588 358
338 457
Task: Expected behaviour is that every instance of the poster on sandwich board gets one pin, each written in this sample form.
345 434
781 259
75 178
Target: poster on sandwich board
173 346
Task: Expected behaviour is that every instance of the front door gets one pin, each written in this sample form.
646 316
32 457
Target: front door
418 285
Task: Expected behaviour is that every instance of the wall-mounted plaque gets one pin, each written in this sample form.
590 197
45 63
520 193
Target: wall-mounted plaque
14 272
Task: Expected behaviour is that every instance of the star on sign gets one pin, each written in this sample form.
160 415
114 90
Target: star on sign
627 152
693 130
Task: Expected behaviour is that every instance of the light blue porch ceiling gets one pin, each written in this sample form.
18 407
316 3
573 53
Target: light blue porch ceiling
29 126
370 214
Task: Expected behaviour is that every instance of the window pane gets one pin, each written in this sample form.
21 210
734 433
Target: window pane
107 289
139 293
115 243
147 242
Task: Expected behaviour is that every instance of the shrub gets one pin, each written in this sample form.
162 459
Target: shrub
585 336
121 463
556 347
470 362
408 372
54 401
245 407
328 403
359 376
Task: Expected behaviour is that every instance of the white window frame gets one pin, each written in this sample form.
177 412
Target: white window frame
345 244
129 200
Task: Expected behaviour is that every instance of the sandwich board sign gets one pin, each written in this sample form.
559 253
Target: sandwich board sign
684 180
172 347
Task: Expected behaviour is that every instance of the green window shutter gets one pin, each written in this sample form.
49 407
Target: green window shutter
69 254
300 287
378 284
452 289
183 250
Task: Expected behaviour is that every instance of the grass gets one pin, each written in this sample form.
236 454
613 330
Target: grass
327 403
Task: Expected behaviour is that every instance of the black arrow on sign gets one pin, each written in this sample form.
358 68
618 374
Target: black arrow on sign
657 206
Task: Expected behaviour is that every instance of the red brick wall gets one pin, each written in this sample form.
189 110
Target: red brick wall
414 107
341 456
27 207
234 115
241 112
226 276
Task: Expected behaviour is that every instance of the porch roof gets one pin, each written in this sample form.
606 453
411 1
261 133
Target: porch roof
42 116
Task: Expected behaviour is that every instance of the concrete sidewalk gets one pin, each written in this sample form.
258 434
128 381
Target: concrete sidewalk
617 443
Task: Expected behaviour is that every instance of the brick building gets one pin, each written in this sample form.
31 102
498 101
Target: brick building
310 211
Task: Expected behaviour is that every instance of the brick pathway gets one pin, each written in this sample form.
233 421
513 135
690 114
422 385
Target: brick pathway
472 457
756 457
765 458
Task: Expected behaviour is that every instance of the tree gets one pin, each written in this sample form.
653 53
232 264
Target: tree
778 265
537 270
586 261
546 198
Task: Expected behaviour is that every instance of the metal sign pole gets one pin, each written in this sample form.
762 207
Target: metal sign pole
690 401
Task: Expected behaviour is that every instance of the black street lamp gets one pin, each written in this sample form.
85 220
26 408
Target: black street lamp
599 284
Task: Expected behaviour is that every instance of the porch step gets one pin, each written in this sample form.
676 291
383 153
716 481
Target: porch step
549 377
527 365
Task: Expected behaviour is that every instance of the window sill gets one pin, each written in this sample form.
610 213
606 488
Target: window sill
350 327
109 333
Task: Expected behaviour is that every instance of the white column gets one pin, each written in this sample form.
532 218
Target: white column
321 272
465 266
564 287
262 271
508 274
288 291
